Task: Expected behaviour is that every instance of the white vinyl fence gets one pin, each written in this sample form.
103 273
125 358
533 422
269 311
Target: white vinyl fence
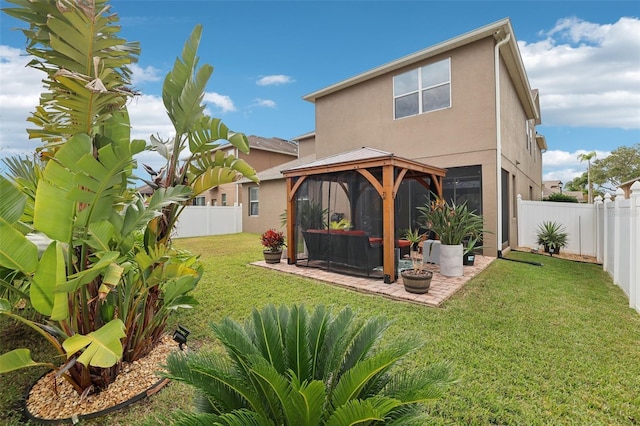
578 219
199 221
608 230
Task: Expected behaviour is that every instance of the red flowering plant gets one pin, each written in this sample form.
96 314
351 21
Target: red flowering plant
273 240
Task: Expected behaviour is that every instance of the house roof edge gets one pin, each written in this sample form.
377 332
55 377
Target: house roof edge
461 40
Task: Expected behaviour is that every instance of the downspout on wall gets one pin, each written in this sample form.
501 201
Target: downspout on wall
505 39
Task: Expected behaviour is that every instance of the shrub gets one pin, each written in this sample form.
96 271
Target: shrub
287 366
560 197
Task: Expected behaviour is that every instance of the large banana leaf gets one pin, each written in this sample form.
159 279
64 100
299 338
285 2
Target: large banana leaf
138 214
16 252
76 176
13 201
85 61
211 171
209 131
183 91
102 348
17 359
54 212
50 273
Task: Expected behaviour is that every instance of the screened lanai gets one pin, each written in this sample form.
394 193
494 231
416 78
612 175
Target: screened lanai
348 212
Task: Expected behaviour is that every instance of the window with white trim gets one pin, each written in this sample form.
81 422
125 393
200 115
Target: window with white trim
224 199
530 129
198 201
423 89
253 201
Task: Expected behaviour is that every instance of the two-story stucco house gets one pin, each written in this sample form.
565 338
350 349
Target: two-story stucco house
464 105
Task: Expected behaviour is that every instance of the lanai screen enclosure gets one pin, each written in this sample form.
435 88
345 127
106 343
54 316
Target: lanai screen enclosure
347 212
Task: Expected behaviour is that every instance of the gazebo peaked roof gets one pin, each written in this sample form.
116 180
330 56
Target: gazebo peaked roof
364 157
368 162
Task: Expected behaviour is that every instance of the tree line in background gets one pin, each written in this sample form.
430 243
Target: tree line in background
606 174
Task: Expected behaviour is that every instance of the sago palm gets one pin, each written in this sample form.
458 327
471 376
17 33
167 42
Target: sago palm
288 366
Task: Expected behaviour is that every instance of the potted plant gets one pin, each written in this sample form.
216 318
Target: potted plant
273 241
452 223
469 247
553 236
108 277
418 279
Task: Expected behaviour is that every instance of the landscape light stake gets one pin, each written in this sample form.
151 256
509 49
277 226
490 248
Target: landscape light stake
180 336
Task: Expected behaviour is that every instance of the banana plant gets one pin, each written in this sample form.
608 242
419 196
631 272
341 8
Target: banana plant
109 278
201 136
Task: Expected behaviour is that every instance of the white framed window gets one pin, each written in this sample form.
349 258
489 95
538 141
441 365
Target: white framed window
530 129
423 89
198 201
254 203
224 199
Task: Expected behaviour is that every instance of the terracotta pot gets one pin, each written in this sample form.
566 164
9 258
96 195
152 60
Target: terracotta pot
417 283
272 256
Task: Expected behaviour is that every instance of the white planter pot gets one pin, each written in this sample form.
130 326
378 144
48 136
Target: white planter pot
451 260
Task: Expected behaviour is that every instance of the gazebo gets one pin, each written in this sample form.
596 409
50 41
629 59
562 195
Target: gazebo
344 211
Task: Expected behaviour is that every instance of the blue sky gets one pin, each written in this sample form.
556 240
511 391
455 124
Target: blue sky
583 56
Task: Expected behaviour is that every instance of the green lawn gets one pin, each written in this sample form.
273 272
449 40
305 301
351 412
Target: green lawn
532 345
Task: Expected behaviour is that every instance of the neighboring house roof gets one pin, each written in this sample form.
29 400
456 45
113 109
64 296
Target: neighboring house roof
278 145
275 173
273 144
305 136
498 30
552 186
145 190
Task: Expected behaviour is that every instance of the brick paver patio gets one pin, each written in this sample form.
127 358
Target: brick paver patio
441 287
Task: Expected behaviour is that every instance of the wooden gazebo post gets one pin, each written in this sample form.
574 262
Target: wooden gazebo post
388 225
292 252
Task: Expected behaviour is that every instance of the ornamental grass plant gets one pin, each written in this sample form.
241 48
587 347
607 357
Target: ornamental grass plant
453 223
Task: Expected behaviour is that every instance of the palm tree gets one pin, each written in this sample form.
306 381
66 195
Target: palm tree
588 156
291 367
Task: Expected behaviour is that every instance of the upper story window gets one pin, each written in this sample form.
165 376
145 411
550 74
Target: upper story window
224 199
254 203
531 137
423 89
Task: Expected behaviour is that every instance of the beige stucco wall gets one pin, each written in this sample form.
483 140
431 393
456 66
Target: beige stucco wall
523 162
362 115
272 196
306 146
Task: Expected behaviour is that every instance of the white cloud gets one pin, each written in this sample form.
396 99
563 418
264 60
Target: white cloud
141 75
148 116
20 89
588 74
274 80
565 166
221 101
267 103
